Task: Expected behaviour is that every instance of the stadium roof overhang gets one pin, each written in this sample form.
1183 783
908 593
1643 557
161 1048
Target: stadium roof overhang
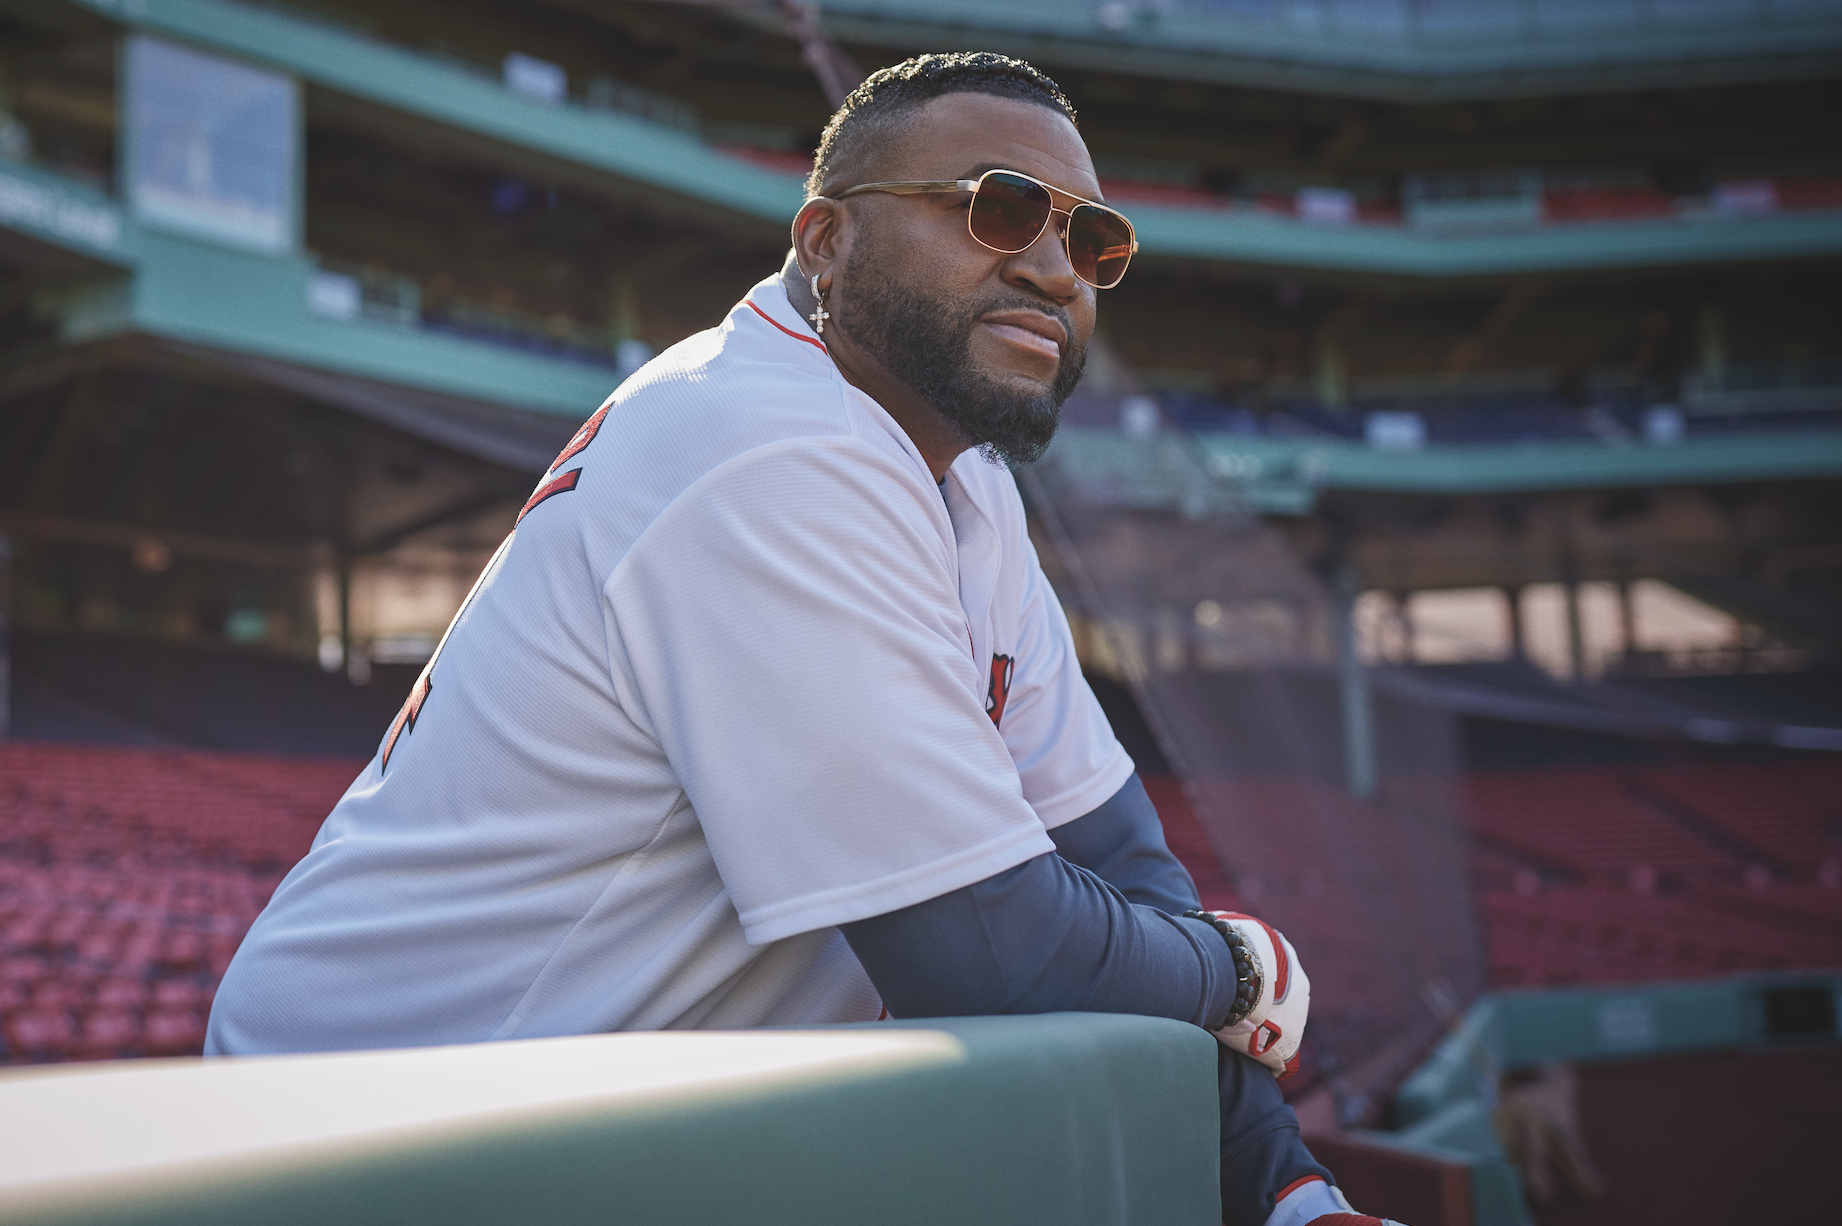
519 441
88 426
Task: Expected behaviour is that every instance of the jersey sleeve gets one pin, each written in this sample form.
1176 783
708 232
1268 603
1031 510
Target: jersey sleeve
1064 747
789 630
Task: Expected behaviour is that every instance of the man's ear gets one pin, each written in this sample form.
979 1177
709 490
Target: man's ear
820 232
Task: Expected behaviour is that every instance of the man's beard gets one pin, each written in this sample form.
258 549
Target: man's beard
926 344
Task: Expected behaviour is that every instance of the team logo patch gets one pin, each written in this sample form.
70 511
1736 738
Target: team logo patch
999 691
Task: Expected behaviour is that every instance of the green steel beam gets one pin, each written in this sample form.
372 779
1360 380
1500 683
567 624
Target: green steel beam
192 290
250 303
1284 242
337 59
245 302
1273 476
1267 468
1306 49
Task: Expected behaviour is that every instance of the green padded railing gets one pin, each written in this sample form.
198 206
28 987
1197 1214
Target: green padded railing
1062 1119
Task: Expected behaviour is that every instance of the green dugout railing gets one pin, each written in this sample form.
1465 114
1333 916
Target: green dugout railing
1062 1118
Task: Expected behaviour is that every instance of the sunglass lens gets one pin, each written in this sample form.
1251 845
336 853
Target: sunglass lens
1008 212
1099 245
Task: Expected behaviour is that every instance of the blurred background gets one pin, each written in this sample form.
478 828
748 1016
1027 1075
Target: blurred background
1450 521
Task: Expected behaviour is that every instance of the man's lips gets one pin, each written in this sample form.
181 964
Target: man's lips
1030 330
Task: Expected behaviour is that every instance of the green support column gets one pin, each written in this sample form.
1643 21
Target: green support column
1353 689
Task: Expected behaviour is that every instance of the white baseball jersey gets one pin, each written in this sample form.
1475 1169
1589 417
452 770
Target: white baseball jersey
742 673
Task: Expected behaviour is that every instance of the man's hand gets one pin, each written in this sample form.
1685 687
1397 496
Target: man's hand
1274 1023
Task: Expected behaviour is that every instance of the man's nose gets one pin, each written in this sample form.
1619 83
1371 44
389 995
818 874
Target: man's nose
1044 264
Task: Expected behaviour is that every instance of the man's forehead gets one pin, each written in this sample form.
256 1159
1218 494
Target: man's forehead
961 135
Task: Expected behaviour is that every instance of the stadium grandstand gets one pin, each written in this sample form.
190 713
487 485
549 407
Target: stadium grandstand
1450 520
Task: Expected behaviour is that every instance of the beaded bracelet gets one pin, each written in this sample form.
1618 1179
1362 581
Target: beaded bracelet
1246 965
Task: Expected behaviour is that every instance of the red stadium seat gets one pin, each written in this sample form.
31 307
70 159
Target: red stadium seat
22 970
121 993
62 993
45 1034
131 872
108 1033
175 1033
180 994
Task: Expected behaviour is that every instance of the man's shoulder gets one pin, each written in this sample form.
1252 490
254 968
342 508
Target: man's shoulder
737 385
734 363
749 385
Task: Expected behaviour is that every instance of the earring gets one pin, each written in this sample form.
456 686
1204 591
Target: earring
819 316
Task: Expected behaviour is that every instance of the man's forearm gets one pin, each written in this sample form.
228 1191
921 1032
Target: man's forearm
1044 936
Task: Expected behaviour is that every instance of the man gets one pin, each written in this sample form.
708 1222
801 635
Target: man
764 714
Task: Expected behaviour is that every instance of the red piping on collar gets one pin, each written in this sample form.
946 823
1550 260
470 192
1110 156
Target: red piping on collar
817 344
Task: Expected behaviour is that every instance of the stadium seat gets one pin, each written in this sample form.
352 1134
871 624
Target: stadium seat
1590 876
121 992
128 877
46 1034
175 1033
107 1033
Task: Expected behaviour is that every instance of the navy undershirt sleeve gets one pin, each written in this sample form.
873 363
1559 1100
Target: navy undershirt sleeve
1122 843
1051 935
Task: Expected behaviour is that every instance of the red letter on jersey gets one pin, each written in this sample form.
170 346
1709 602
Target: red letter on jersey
550 489
1000 690
406 718
584 436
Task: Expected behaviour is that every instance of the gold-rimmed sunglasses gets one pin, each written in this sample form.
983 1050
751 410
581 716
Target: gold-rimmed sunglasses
1009 211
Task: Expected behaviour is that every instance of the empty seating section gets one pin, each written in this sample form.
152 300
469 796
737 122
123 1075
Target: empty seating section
1587 829
127 878
1659 872
1792 817
1578 876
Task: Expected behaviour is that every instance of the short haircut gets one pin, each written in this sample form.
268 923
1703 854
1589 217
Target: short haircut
875 110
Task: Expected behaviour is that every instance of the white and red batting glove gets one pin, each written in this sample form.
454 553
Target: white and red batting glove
1274 996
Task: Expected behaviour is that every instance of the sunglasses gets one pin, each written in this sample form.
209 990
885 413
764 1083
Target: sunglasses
1010 210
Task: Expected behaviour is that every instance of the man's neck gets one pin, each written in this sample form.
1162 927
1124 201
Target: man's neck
937 439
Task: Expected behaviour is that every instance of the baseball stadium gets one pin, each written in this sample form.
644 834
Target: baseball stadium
1440 542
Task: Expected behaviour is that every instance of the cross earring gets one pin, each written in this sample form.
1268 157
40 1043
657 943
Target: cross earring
819 316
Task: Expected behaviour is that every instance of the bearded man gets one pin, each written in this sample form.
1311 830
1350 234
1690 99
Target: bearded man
764 714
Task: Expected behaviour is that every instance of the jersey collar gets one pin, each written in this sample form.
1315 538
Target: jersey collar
767 304
767 307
